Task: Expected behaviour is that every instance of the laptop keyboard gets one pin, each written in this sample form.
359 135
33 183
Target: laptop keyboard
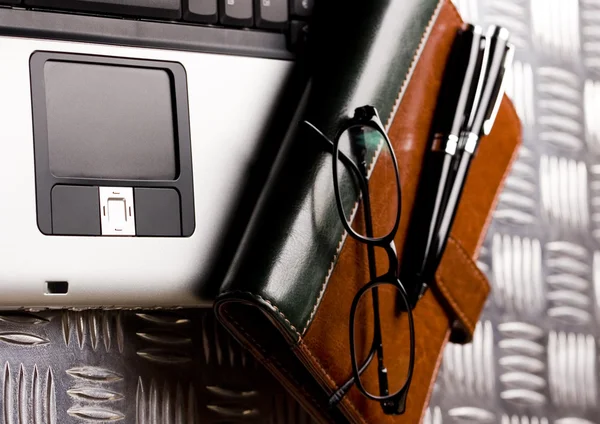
284 16
162 9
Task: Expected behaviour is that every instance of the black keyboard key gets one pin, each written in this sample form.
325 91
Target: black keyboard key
10 1
237 12
271 13
205 11
302 8
162 9
297 34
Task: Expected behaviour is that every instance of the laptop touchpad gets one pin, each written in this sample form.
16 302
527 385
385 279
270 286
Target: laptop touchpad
109 121
112 146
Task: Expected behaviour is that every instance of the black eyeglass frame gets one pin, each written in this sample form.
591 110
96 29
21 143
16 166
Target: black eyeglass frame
365 116
395 403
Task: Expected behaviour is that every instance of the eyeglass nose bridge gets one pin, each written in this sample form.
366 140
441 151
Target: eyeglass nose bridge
392 256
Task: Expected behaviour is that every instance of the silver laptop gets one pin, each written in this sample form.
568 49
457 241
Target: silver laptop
129 140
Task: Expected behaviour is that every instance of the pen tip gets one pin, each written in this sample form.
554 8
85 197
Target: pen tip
498 32
476 29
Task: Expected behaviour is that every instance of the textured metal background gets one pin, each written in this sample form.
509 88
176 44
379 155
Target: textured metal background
534 356
171 367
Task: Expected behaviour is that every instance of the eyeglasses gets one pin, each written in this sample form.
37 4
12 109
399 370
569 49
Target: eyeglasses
360 142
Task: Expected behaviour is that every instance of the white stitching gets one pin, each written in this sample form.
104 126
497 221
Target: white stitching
411 69
275 308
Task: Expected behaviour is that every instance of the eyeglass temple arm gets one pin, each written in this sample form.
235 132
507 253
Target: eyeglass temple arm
343 157
341 392
361 175
377 341
398 405
364 188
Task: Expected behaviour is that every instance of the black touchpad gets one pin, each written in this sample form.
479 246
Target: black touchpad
113 122
112 146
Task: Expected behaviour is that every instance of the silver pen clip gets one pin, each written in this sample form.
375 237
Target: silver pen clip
489 121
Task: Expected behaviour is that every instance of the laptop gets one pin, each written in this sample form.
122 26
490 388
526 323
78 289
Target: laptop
134 138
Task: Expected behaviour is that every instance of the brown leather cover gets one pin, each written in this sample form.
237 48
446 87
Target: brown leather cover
451 309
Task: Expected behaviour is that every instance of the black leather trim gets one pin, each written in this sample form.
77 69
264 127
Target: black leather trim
362 56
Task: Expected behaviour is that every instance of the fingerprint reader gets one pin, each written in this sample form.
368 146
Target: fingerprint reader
117 214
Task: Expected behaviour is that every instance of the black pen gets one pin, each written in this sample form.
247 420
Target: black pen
499 58
456 94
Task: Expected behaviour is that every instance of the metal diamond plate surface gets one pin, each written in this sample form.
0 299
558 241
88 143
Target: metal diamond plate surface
534 356
138 367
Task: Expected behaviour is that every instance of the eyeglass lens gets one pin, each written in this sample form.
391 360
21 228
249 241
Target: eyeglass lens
364 145
395 342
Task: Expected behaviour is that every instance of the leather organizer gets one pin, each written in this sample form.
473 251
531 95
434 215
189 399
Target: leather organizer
288 294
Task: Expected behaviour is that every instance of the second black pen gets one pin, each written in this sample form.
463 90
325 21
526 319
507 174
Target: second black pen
456 95
499 58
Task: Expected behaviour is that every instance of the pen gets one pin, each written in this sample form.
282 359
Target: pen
456 94
500 54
